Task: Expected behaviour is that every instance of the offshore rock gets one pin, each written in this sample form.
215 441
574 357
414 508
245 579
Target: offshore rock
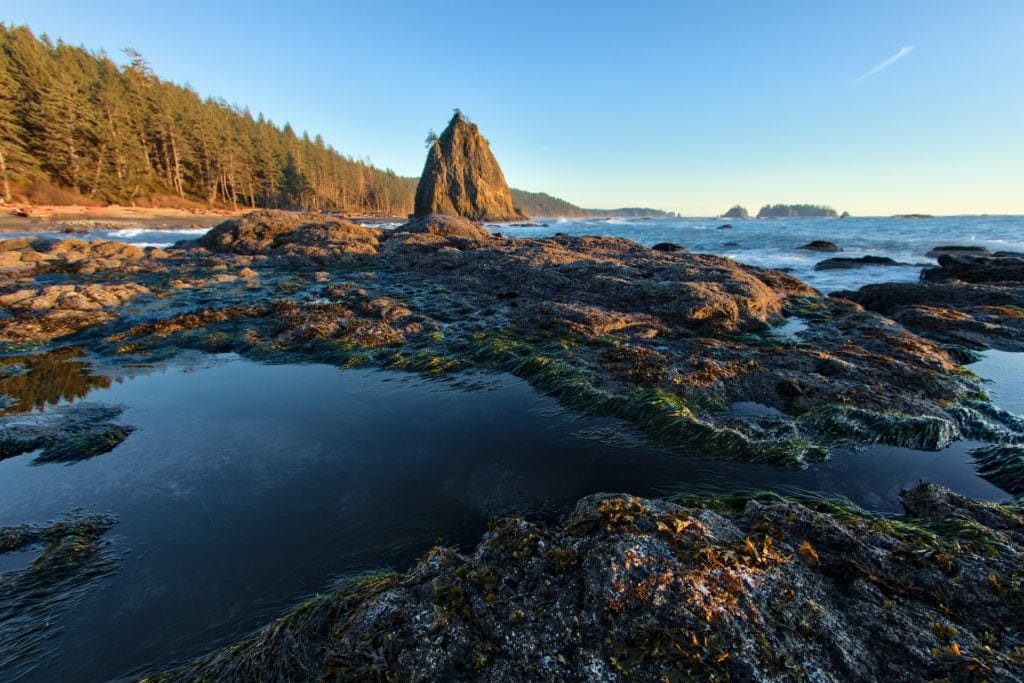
993 268
845 262
744 589
973 301
461 177
820 245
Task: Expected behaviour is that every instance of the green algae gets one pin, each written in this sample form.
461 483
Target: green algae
858 425
72 559
295 646
1003 465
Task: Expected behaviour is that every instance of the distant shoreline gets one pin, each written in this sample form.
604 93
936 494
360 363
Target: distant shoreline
72 219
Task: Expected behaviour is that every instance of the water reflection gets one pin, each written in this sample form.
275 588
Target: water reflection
36 381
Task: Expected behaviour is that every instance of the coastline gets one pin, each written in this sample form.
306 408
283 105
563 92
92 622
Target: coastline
667 340
72 219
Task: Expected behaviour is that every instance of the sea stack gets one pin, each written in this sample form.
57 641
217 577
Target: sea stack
462 177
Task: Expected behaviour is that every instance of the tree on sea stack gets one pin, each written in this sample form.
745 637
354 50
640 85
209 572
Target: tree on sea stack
462 178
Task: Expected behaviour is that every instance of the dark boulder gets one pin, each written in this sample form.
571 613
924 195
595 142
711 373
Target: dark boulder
841 263
727 226
956 250
667 246
821 245
976 269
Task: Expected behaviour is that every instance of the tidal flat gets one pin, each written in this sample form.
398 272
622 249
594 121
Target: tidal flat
294 401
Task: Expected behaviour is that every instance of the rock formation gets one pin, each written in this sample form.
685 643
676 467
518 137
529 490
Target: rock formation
969 300
461 177
736 212
762 589
821 245
796 211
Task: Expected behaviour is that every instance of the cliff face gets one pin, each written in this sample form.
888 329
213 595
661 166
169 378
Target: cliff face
462 177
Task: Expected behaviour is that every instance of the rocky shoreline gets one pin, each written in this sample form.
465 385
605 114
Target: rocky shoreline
748 588
667 340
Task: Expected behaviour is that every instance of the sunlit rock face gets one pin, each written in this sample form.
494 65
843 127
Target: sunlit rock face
462 178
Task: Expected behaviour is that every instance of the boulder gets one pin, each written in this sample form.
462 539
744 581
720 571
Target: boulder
956 250
840 263
821 245
976 269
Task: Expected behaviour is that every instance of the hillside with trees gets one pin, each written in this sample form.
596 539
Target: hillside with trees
541 204
796 211
77 128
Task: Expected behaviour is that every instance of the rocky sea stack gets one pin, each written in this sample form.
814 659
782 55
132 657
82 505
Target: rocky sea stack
462 177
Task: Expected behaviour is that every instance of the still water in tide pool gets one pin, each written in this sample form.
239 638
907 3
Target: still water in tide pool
247 487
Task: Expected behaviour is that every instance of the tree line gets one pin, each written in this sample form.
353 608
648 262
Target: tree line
75 127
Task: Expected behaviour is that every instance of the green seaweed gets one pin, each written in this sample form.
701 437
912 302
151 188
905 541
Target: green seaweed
1003 465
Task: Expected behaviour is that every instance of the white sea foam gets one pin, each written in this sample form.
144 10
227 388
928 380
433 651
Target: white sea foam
135 232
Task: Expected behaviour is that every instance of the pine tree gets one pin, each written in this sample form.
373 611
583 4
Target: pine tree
15 162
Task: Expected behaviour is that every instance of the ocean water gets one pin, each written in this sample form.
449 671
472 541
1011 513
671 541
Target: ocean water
248 487
774 243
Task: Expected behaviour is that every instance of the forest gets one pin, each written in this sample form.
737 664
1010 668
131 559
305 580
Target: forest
77 128
795 211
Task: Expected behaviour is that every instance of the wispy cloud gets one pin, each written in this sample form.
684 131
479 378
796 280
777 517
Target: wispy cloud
903 52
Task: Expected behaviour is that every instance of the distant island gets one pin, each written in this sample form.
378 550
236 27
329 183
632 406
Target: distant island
913 215
736 211
543 204
796 211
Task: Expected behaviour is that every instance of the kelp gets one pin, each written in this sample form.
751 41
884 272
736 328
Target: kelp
71 561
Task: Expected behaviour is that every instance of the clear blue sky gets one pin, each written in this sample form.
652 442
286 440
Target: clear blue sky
688 106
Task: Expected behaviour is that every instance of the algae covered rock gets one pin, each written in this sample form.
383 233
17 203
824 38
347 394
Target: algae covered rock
461 177
748 588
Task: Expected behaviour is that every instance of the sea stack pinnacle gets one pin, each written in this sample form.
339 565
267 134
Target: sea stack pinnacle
462 177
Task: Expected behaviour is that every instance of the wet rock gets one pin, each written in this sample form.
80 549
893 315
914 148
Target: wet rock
59 310
956 250
726 226
436 231
461 177
667 246
976 269
731 244
840 263
755 589
821 245
978 316
46 254
298 239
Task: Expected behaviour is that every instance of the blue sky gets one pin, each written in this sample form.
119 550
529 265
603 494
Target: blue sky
687 106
